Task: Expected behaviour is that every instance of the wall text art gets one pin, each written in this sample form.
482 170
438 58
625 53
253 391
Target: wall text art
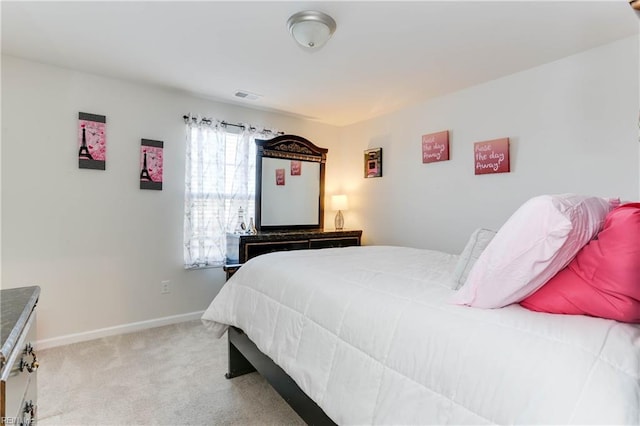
435 147
491 156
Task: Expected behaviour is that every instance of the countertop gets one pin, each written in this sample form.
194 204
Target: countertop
16 305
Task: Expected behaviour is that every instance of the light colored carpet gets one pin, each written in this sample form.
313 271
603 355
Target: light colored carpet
172 375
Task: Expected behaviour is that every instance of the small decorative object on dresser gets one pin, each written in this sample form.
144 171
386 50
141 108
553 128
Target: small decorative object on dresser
18 376
241 226
251 229
241 248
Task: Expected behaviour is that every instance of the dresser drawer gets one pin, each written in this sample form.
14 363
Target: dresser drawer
258 248
318 243
29 408
18 384
241 248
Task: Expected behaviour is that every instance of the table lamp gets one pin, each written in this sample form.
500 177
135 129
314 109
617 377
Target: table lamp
339 203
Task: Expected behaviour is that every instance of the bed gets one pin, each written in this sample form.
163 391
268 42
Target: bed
369 335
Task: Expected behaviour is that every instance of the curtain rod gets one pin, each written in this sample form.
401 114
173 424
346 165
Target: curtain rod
239 125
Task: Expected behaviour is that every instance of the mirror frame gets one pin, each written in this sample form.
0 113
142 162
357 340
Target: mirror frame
290 147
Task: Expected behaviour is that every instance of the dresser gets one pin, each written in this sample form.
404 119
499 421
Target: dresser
241 248
18 360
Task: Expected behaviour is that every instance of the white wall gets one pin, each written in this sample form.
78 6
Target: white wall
98 245
572 126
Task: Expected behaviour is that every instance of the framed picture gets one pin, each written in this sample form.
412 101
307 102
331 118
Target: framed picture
92 141
491 156
435 147
296 167
280 177
373 163
151 166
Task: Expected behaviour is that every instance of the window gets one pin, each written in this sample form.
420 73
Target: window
219 180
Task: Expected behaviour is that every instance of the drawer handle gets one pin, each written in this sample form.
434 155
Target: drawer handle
30 410
33 366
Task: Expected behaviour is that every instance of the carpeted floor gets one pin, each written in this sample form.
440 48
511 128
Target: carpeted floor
172 375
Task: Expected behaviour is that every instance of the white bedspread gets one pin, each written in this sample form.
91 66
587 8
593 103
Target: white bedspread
368 334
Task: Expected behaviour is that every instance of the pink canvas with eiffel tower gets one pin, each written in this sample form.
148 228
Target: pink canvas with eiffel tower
92 141
151 164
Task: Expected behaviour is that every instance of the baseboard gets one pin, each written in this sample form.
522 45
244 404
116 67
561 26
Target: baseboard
119 329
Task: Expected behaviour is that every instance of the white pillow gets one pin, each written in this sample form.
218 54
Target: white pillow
478 241
536 242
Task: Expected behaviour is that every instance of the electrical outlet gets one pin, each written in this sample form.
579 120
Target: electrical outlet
164 287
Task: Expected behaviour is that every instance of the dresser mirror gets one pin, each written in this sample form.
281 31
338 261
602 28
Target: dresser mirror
289 184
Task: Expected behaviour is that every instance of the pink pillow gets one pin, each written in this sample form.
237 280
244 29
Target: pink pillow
537 241
604 278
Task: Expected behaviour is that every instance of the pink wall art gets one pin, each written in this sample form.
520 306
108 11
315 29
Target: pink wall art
491 156
151 164
92 141
373 163
280 177
296 168
435 147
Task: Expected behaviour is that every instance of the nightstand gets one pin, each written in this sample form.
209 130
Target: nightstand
230 269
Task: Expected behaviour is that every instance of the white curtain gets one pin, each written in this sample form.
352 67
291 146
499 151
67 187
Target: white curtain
219 180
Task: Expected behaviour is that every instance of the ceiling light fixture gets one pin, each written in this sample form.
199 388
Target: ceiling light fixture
311 29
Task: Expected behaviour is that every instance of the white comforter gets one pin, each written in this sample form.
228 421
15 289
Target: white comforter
368 334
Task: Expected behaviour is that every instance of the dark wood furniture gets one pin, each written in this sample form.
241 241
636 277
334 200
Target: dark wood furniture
287 218
18 375
230 269
284 149
245 357
241 248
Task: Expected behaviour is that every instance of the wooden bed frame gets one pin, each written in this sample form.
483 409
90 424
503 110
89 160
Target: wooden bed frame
245 357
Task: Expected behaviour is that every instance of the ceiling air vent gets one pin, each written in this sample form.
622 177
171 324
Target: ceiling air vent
247 95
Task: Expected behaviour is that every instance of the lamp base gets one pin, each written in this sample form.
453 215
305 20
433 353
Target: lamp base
339 221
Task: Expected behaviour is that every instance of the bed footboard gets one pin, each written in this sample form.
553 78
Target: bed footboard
238 364
245 357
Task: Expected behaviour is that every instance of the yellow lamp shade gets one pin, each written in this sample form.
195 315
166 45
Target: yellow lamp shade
339 202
